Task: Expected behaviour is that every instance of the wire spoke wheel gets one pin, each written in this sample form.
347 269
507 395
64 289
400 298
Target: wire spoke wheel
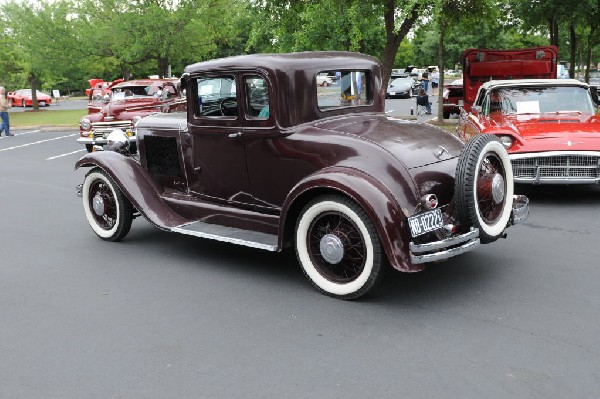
338 247
107 210
484 187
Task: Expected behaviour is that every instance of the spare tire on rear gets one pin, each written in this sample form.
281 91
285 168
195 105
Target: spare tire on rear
484 187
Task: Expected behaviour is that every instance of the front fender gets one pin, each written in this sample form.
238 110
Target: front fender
387 213
137 185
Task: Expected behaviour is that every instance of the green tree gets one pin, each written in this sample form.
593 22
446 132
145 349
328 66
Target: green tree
41 41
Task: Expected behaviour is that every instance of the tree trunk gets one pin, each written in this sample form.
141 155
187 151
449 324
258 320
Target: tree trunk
441 61
553 27
163 67
33 85
573 48
393 37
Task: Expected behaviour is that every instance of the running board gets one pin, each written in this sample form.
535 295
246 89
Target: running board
233 235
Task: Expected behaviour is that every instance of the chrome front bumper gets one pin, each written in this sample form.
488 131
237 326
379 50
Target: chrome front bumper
459 244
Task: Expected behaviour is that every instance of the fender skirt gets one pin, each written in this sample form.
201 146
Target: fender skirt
137 185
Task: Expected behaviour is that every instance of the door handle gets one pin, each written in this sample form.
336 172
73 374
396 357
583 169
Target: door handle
235 135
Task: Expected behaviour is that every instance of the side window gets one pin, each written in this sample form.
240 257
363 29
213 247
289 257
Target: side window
257 97
217 97
336 89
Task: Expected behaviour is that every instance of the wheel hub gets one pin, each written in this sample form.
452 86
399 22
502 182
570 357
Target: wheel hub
498 190
332 248
98 205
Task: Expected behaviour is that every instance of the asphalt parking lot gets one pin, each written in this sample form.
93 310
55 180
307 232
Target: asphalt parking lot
166 316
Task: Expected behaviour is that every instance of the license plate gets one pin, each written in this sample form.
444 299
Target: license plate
425 222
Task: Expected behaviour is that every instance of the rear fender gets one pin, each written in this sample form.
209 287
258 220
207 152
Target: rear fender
137 185
384 210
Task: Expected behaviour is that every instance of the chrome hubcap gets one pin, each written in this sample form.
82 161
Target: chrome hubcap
98 205
332 249
498 190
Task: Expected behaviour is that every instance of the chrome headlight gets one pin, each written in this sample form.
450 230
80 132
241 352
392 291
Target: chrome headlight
135 120
85 124
507 141
117 141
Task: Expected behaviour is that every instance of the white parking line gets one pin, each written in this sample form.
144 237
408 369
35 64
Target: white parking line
37 142
64 155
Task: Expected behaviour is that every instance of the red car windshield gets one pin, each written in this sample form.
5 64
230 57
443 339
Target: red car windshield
536 100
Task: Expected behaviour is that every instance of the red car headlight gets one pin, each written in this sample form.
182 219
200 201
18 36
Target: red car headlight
507 141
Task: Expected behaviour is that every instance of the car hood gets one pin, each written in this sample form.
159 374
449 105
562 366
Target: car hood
413 144
550 132
132 105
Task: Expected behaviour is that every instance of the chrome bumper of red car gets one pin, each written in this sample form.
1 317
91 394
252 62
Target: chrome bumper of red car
459 244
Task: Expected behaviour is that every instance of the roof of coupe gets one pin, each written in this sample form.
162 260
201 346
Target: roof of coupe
288 63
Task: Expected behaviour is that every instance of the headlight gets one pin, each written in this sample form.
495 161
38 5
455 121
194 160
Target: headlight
135 120
86 124
507 141
118 141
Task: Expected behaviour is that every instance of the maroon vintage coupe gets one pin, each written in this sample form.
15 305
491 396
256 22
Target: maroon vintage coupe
265 157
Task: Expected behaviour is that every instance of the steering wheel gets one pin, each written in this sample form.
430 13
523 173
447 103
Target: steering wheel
228 106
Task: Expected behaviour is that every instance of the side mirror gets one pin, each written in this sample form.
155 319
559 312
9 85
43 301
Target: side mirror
476 109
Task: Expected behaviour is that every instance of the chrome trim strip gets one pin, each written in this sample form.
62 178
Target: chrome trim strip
544 154
565 180
436 245
231 240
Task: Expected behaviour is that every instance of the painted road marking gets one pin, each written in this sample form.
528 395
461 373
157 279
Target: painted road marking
64 155
37 142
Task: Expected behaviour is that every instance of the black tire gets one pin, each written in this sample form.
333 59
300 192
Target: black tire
107 210
446 115
89 147
338 247
484 187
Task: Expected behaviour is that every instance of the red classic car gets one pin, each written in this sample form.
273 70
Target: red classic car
266 158
24 98
125 102
550 127
453 98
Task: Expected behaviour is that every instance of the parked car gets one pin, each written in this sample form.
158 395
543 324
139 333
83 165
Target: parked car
125 102
400 87
24 98
453 98
325 79
550 128
324 171
595 85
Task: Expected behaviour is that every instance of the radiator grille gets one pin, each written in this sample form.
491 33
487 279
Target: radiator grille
557 167
103 129
161 156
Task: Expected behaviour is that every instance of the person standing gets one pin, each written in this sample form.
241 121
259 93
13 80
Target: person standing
435 80
4 107
425 81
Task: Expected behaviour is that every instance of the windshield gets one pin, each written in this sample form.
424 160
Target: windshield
132 91
536 100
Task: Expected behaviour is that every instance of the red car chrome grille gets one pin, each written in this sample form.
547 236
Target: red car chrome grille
556 168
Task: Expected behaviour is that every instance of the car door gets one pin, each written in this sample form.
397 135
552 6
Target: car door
217 170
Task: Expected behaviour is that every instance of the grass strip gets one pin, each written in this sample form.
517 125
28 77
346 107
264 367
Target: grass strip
67 118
